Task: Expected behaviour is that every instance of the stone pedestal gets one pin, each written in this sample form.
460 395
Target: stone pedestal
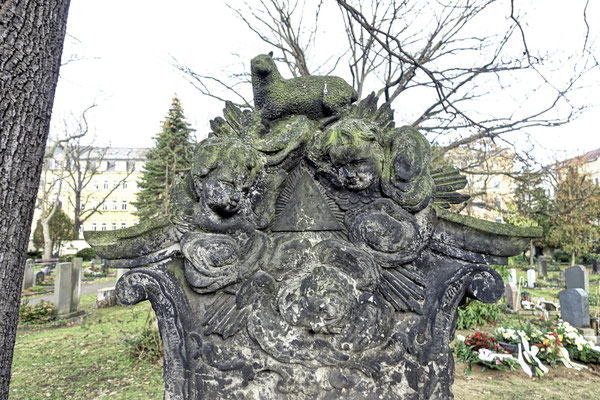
28 278
575 307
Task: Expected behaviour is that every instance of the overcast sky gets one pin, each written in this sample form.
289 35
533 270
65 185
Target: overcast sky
128 46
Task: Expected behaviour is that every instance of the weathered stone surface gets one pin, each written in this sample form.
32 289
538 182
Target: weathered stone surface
513 296
575 307
307 255
577 277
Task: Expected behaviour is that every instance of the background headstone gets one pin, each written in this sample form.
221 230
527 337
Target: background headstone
39 277
106 298
595 266
531 278
513 297
512 276
575 307
542 266
577 277
76 282
65 292
28 278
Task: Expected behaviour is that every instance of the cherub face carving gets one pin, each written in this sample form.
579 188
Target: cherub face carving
222 174
349 156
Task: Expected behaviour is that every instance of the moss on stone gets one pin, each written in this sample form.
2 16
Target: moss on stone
488 226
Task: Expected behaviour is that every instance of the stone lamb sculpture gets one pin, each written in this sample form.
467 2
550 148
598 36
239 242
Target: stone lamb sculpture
309 261
313 96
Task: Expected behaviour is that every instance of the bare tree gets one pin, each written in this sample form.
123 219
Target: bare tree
81 164
447 62
31 40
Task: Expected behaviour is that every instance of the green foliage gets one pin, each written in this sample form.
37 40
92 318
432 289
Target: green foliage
171 155
531 206
61 228
40 313
146 345
593 299
577 205
476 313
87 254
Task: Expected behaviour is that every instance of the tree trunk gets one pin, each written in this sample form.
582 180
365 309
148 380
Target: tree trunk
76 220
31 39
47 239
572 258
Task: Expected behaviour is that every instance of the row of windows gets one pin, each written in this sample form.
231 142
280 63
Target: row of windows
104 206
104 226
115 184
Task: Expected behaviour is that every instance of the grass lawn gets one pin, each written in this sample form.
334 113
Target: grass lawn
89 360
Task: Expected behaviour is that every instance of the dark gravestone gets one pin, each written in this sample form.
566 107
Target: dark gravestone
575 307
308 253
542 269
577 278
39 277
595 266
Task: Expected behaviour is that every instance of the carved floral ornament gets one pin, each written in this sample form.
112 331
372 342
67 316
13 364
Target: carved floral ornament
310 254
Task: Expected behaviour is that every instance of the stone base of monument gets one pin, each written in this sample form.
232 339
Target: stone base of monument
106 298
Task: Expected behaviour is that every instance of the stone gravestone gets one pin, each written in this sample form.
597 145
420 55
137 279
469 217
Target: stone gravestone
28 278
542 269
595 266
531 278
512 276
577 278
513 296
67 288
105 298
575 307
309 253
39 277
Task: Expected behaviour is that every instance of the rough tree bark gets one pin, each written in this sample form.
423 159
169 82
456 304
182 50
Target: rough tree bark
31 41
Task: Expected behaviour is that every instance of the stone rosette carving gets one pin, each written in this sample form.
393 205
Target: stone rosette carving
310 254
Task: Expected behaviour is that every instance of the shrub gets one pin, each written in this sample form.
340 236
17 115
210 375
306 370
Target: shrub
40 313
476 313
87 254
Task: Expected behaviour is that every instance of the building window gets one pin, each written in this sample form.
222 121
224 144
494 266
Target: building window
94 227
114 205
81 228
105 184
96 185
82 206
94 205
104 226
115 184
110 165
104 206
125 184
122 225
124 205
113 226
596 180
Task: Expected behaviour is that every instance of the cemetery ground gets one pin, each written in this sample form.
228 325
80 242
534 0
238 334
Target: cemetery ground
92 359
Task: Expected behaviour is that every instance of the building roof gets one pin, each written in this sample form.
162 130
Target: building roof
112 153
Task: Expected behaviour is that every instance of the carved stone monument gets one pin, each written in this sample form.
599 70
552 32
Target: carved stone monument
309 254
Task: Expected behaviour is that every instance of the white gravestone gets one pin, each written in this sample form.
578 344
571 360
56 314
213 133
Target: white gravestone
531 278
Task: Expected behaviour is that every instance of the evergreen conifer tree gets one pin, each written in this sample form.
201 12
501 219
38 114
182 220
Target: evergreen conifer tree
171 155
